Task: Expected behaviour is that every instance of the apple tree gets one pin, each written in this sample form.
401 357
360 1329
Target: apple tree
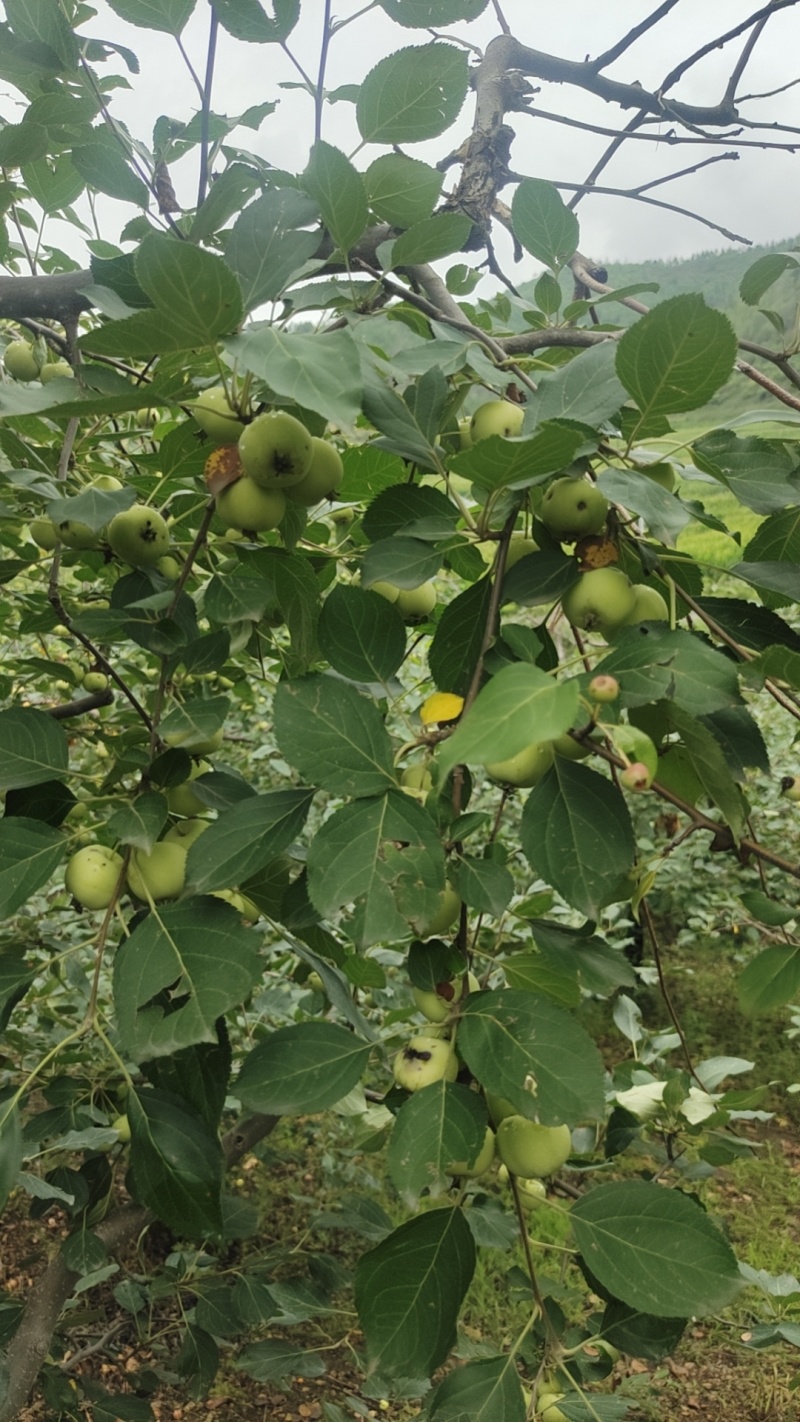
346 628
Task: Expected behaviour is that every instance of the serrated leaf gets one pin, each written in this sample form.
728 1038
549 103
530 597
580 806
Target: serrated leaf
176 1164
319 372
456 645
301 1069
361 635
247 20
545 226
675 666
708 763
760 473
677 356
508 1037
95 507
33 748
413 94
627 1234
770 979
763 273
334 736
169 16
520 705
430 240
338 188
406 562
577 834
409 1292
437 1126
267 245
401 190
11 1149
499 463
484 1391
245 838
423 14
29 853
141 822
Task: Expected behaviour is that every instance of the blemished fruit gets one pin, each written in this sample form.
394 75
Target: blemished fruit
546 1407
187 831
600 601
531 1150
525 768
95 681
603 689
445 915
160 874
324 475
182 799
423 1061
246 506
92 874
122 1126
637 746
497 417
74 534
636 776
649 606
416 602
43 533
139 536
481 1163
213 413
498 1107
194 743
438 1005
661 473
571 508
56 370
20 362
276 450
790 787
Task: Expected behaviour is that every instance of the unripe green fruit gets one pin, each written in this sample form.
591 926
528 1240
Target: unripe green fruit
634 744
525 768
416 602
181 798
215 416
573 508
600 601
74 534
276 450
169 568
43 533
91 876
570 749
139 536
465 434
790 787
122 1126
636 776
603 689
20 362
193 743
417 777
445 915
387 590
186 832
529 1150
56 370
244 906
437 1006
425 1060
314 983
497 417
481 1163
649 606
95 681
161 874
546 1407
324 475
246 506
661 473
498 1107
519 547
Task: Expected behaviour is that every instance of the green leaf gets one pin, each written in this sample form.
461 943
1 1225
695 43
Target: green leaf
508 1037
176 1164
539 577
338 188
407 508
442 1124
170 16
95 507
267 246
628 1234
406 562
401 190
664 514
385 856
545 226
301 1069
333 736
775 542
15 979
485 1391
33 748
141 822
770 979
413 94
521 703
399 425
319 372
361 634
247 20
226 197
29 853
11 1150
761 473
676 666
763 273
586 390
453 653
577 834
245 838
195 721
484 884
640 1335
767 910
425 14
195 290
677 356
54 183
103 166
709 764
199 1074
274 1360
545 974
431 239
201 945
498 463
43 22
409 1292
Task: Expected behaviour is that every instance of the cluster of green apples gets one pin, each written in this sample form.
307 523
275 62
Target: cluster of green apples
139 536
279 460
411 603
21 362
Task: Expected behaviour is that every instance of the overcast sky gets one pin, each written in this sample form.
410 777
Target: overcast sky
758 196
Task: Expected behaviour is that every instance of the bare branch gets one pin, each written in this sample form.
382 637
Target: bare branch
766 11
603 60
741 63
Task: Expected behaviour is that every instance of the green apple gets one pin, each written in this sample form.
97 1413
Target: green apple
566 746
790 787
525 768
445 915
43 533
245 505
181 798
600 601
276 450
139 536
603 689
637 747
532 1193
529 1150
169 568
415 602
649 606
107 483
20 362
186 832
417 777
498 1107
74 534
636 776
423 1061
465 434
661 473
389 591
519 546
122 1126
482 1161
497 417
56 370
325 474
438 1005
193 742
216 417
244 907
95 681
92 874
161 874
546 1407
572 508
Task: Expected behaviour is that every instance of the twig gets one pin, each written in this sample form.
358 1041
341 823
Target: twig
319 93
603 60
81 705
647 915
202 185
766 12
